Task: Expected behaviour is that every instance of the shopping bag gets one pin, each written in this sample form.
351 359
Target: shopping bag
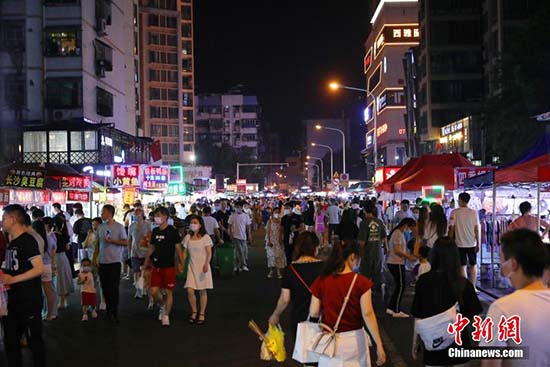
305 335
433 330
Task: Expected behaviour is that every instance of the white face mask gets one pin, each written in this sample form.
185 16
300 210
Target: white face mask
195 227
276 215
158 221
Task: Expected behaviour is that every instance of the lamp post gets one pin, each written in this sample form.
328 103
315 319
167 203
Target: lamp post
335 86
322 168
331 156
319 127
318 171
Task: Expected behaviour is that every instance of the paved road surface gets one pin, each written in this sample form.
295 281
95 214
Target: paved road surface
224 341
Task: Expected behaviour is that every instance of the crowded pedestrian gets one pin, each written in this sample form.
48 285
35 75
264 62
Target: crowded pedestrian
275 252
138 238
436 226
64 274
239 228
87 290
333 213
50 268
198 247
373 241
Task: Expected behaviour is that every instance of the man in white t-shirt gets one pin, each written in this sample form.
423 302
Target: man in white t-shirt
464 228
522 259
211 225
239 228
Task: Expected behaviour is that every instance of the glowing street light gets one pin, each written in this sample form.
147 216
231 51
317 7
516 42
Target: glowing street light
331 156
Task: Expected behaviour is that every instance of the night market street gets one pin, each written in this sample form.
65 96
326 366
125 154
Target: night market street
224 341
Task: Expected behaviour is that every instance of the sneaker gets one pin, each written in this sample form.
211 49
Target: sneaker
138 294
245 268
400 315
102 306
390 312
94 314
162 313
165 320
84 317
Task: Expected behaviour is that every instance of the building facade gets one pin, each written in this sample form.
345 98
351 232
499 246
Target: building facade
229 119
69 64
449 66
166 78
394 29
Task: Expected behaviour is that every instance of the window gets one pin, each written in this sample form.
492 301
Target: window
62 42
248 124
187 65
186 30
103 11
186 47
34 141
374 80
170 148
14 90
187 99
163 76
162 4
64 92
58 141
187 147
186 12
61 2
163 57
188 134
103 57
455 33
162 21
187 116
163 94
250 109
104 104
165 130
187 82
162 39
83 140
249 137
13 35
163 112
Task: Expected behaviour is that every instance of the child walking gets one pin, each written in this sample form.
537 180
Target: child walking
88 291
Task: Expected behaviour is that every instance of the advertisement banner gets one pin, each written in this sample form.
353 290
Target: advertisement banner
462 173
76 182
241 186
4 196
80 196
129 196
192 172
25 178
155 177
220 183
125 176
59 197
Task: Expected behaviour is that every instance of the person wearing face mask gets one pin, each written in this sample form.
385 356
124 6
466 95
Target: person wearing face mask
436 292
165 244
328 294
274 248
138 232
239 227
292 225
198 246
523 259
112 239
222 217
87 290
397 255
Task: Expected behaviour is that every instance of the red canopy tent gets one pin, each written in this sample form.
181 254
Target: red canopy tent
534 170
428 170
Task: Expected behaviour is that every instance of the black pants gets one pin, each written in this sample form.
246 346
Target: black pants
398 273
331 231
17 322
109 275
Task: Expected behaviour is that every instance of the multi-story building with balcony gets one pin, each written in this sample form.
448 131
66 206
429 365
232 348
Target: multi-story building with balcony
230 119
166 77
67 70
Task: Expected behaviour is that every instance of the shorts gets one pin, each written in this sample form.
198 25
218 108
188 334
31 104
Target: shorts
47 273
88 299
468 256
137 263
125 254
164 278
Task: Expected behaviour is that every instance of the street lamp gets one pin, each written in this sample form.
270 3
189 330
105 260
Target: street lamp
322 168
336 86
318 171
319 127
331 156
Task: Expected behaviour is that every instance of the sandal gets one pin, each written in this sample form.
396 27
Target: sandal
201 322
192 319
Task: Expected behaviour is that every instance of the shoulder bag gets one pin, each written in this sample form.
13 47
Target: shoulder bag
305 332
433 330
324 342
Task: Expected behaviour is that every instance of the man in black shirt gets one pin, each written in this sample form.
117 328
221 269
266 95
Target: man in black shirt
22 270
81 228
165 241
221 214
292 225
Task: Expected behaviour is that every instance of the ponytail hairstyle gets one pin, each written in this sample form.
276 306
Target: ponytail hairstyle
404 222
40 228
340 253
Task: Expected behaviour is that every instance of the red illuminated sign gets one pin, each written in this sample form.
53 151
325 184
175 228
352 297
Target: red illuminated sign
23 197
468 172
41 196
78 196
4 196
385 173
59 197
75 182
367 61
125 176
155 177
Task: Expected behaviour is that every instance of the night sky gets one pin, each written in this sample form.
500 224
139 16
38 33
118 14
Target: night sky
285 52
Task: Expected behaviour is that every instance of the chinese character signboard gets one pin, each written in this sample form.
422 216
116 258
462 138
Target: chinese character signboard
192 172
4 197
25 178
125 176
397 34
391 98
155 177
462 173
385 173
76 182
130 196
80 196
241 186
23 197
59 197
367 61
177 189
41 196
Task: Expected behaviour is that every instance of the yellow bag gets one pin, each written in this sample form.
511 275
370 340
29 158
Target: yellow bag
273 342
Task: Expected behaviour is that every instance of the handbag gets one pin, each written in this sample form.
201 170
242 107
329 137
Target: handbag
324 342
433 330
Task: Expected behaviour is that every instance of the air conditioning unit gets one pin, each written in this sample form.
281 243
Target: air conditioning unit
101 26
61 115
